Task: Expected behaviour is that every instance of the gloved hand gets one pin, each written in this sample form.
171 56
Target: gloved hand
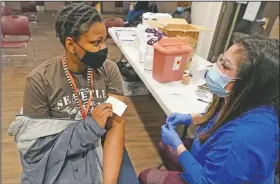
170 137
178 119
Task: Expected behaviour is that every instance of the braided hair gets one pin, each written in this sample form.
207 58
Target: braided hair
74 19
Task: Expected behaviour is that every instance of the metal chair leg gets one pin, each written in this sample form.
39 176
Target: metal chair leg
18 55
6 59
25 46
34 56
37 23
7 55
38 26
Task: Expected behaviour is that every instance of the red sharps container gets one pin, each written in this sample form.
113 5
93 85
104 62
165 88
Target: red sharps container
170 57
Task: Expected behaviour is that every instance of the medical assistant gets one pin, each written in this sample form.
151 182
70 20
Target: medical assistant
244 150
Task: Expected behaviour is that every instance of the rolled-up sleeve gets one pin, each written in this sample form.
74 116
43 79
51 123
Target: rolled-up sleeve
114 83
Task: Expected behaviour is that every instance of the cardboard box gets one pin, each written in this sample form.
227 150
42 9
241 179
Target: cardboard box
167 21
184 3
180 28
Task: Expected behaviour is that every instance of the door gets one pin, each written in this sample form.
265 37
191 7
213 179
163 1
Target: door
222 30
271 12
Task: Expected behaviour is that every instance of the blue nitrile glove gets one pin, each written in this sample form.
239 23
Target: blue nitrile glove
178 119
170 137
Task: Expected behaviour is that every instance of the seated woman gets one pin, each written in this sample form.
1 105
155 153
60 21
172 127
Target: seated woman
140 8
64 114
237 139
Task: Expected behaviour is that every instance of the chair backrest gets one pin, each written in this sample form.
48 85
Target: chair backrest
28 6
6 11
15 25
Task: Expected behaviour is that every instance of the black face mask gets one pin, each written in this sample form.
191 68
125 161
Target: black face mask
94 60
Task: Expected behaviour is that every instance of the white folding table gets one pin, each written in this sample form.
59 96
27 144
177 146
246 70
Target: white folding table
172 96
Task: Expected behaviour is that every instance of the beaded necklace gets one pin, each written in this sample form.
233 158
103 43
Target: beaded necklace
84 111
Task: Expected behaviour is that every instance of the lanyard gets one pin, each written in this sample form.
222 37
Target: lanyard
72 83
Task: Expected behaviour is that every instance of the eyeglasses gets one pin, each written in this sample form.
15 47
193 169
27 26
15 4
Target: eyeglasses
225 63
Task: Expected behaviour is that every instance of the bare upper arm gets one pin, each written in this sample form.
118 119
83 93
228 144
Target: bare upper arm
114 88
117 120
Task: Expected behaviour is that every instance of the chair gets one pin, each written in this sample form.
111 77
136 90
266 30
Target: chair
29 9
12 28
113 22
171 163
5 10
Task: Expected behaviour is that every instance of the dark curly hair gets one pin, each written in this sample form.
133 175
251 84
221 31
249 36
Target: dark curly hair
74 19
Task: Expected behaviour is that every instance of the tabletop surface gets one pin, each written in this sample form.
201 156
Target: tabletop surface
172 96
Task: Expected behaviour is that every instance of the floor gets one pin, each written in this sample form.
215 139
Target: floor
143 118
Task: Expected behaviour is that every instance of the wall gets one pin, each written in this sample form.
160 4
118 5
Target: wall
205 14
53 6
108 6
49 5
163 7
13 4
167 7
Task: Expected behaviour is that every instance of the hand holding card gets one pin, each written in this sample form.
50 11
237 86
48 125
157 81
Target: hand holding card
118 106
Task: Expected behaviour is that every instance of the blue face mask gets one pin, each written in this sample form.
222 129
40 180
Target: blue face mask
216 82
180 9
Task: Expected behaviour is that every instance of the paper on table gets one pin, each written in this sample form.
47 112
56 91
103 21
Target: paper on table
118 106
184 91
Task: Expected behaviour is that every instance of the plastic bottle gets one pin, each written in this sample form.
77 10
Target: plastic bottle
142 53
148 64
142 42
